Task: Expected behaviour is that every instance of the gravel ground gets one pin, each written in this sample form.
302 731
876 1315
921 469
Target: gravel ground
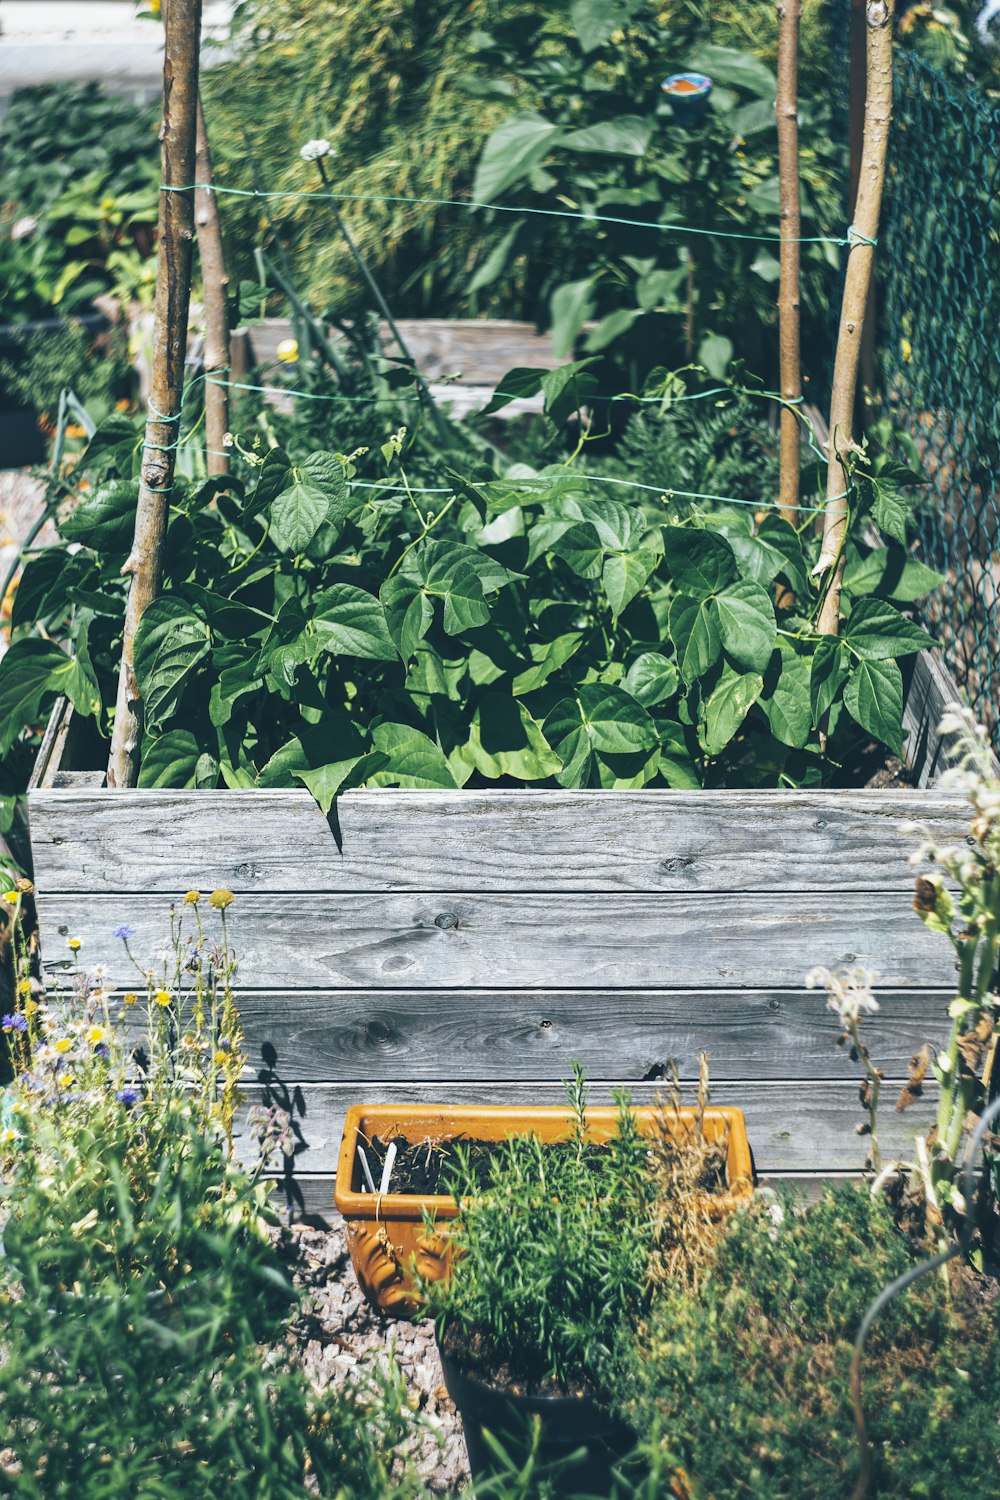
342 1329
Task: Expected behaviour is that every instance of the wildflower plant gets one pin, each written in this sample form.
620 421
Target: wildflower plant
958 896
145 1306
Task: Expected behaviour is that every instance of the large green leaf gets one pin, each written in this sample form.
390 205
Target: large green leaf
465 608
30 671
412 759
170 643
628 135
594 21
733 66
747 624
328 781
625 573
829 672
619 527
572 304
651 678
510 153
580 548
878 632
272 480
298 513
890 573
546 657
42 587
408 612
176 759
615 721
349 622
103 519
567 388
504 740
728 706
787 700
783 540
874 698
699 562
695 633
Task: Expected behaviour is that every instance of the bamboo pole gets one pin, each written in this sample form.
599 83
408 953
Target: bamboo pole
860 260
787 108
213 272
182 35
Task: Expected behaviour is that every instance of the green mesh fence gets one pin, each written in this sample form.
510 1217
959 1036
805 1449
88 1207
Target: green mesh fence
939 343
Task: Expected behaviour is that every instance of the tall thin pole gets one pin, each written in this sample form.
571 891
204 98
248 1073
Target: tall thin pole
787 107
860 261
182 35
213 273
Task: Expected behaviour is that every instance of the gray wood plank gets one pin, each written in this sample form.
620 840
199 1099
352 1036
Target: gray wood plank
582 940
93 839
418 1035
793 1126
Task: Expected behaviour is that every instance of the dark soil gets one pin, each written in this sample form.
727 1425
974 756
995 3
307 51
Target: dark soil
432 1167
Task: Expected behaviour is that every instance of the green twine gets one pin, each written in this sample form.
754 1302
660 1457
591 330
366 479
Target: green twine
505 208
855 237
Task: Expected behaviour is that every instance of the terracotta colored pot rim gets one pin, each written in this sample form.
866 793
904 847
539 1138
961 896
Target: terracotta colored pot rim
470 1120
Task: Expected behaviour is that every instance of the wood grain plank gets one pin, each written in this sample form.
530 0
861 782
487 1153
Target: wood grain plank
653 841
417 1035
533 941
793 1126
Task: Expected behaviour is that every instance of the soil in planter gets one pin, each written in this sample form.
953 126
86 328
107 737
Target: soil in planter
429 1167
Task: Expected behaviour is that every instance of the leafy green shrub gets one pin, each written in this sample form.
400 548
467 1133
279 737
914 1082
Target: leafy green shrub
145 1346
323 628
744 1382
551 1256
597 137
78 199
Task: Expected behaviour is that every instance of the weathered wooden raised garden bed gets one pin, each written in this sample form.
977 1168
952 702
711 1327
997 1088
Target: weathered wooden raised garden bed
464 947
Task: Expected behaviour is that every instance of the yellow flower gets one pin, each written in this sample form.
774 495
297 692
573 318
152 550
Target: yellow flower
12 897
192 898
906 349
30 1007
220 1058
64 1080
221 898
130 998
95 1035
74 944
8 1136
24 986
162 997
64 1045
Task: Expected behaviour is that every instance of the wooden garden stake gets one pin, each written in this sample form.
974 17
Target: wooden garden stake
787 107
213 271
182 35
860 260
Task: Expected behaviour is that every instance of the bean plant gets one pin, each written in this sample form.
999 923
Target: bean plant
510 624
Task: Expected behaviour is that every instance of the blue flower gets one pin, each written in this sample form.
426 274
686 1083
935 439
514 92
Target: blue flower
124 932
129 1094
102 1050
15 1023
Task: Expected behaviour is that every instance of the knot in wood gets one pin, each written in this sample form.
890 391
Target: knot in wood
446 920
877 13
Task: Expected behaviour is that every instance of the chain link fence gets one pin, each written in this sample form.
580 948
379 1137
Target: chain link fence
939 353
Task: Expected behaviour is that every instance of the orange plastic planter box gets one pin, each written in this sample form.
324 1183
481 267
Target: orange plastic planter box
388 1237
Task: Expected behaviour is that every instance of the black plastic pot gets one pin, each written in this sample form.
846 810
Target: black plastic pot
569 1425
